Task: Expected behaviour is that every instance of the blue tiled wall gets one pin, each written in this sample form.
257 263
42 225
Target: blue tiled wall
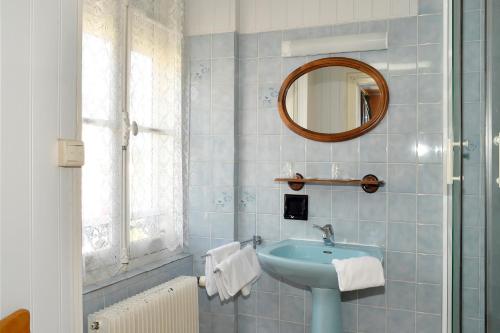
100 298
213 162
405 217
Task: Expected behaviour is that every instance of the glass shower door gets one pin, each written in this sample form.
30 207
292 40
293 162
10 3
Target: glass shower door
476 191
493 167
470 150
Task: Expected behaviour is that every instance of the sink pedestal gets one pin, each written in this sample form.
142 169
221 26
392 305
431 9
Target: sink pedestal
326 311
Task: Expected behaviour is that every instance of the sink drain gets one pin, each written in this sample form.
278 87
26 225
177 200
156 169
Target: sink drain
327 252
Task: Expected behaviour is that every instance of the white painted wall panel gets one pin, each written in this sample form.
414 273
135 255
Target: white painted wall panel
191 25
265 20
400 8
69 209
0 155
381 9
210 16
247 19
346 10
206 15
37 217
413 7
327 12
223 16
365 8
16 157
45 282
311 13
278 15
294 14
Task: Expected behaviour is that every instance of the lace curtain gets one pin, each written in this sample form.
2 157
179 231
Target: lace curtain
152 95
155 104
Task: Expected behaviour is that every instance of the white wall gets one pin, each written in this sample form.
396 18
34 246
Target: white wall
249 16
38 105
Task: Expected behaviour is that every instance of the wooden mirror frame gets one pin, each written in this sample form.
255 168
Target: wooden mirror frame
338 62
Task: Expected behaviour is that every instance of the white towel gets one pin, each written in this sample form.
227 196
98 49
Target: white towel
214 257
238 272
359 273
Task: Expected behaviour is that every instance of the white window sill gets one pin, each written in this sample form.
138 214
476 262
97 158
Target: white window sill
134 271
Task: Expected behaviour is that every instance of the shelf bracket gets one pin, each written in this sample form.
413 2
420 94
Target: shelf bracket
297 186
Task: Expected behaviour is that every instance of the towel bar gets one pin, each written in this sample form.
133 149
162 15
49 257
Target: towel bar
256 240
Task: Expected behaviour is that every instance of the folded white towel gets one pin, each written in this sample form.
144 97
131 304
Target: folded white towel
359 273
214 257
238 272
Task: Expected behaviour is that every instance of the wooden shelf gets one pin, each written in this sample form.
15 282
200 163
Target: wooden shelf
369 183
324 181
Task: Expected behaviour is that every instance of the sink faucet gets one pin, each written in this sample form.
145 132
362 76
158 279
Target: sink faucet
327 230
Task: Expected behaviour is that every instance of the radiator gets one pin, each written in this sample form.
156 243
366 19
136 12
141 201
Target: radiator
171 307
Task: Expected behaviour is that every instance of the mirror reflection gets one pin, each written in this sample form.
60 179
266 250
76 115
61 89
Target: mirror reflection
333 99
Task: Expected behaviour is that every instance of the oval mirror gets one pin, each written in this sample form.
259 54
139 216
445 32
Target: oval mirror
333 99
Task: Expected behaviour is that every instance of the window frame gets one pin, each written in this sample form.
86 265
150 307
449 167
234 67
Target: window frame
126 131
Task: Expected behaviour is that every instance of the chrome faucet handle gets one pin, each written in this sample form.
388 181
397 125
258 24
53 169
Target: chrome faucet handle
327 230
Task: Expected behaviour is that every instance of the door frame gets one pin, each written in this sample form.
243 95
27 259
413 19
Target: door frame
77 321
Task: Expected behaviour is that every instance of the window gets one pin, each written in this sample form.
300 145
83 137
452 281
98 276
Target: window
132 184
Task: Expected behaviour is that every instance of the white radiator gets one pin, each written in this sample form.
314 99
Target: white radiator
171 307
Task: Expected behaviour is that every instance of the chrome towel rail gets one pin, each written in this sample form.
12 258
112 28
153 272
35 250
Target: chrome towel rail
255 240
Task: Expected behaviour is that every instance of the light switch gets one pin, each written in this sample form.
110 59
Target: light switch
71 153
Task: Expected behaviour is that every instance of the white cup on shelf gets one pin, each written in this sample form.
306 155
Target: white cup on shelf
288 170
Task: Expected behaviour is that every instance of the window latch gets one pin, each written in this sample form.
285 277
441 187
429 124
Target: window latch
127 128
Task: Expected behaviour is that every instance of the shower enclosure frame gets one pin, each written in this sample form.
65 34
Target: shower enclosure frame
490 166
455 190
450 160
